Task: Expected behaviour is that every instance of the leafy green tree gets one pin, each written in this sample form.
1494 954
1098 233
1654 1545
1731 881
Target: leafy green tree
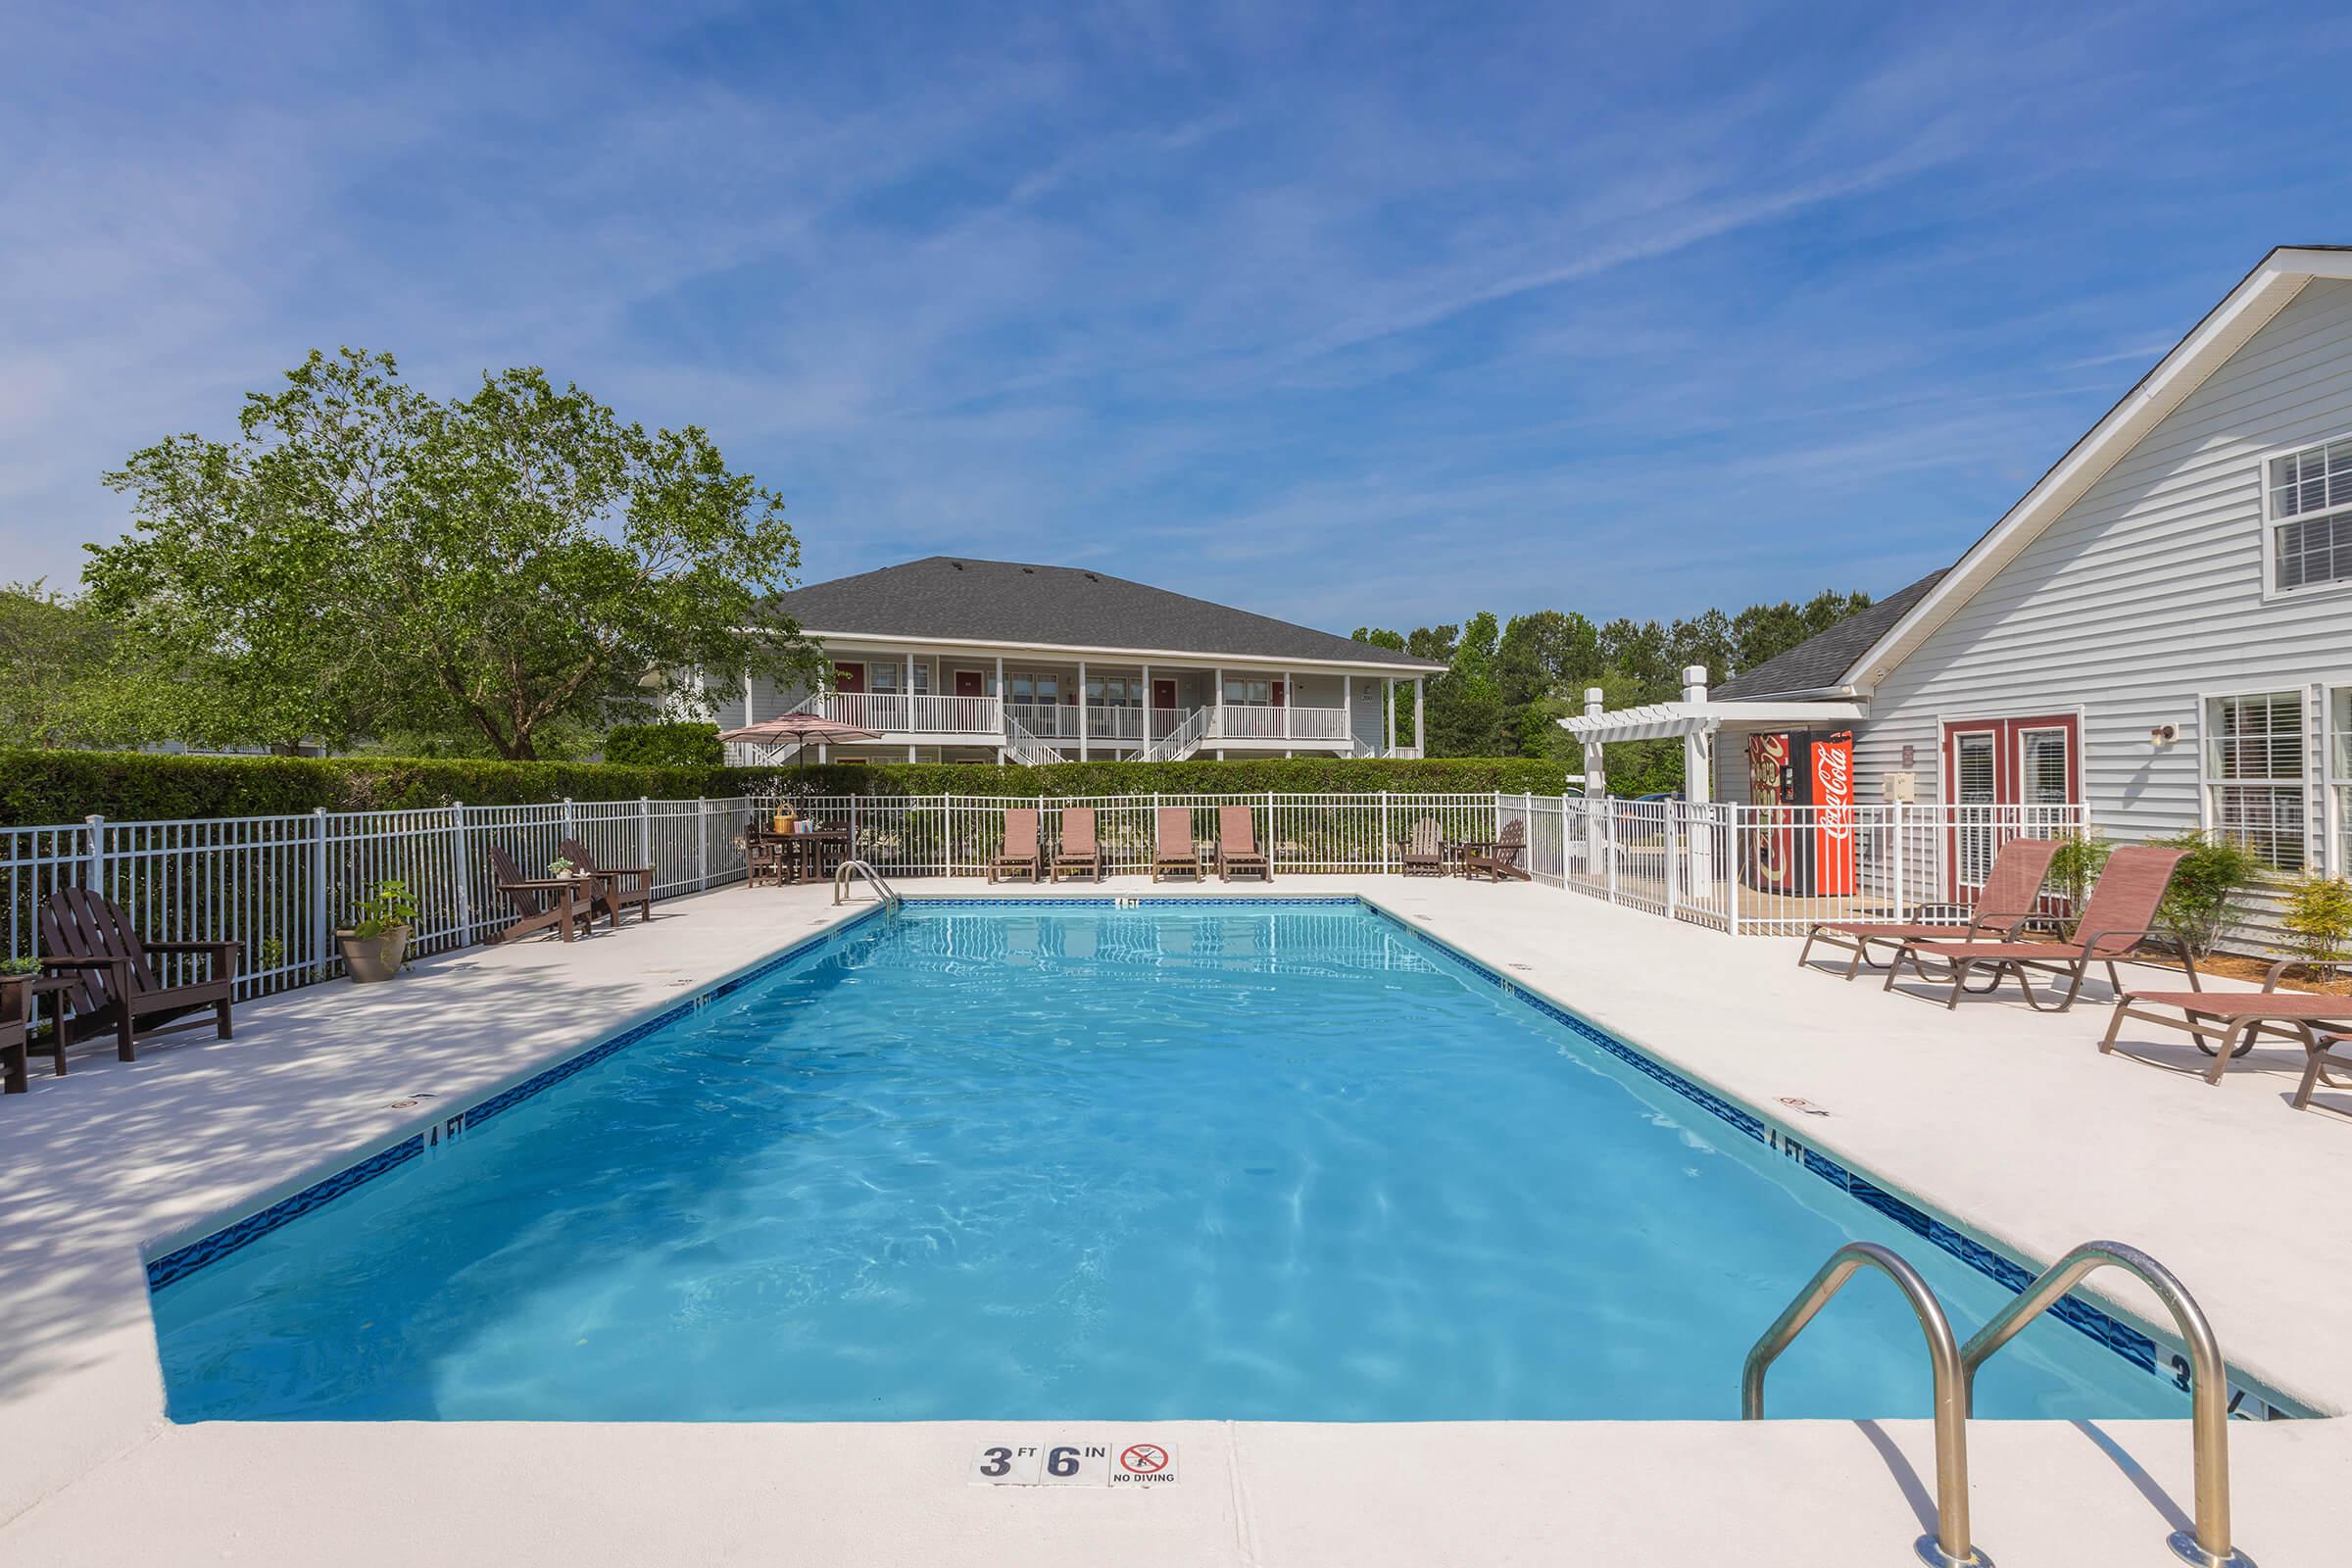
365 560
54 654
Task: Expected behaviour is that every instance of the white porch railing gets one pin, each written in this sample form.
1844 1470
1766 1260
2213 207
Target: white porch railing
1023 746
1176 744
1233 723
898 713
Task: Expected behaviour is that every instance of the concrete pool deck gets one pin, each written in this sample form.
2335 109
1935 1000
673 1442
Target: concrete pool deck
2009 1120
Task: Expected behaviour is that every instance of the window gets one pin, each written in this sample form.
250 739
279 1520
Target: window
2041 767
1114 691
885 675
2339 773
1026 686
1241 693
2309 498
2254 762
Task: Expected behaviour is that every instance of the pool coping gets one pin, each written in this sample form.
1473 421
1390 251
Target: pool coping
188 1249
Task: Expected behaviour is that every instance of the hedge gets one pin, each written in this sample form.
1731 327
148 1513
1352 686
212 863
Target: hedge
665 745
59 786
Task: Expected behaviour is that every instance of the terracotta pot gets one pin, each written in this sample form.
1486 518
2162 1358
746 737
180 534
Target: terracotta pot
375 959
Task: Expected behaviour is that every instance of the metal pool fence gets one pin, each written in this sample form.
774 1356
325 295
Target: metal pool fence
280 884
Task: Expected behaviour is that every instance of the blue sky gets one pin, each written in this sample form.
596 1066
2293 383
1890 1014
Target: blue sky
1347 315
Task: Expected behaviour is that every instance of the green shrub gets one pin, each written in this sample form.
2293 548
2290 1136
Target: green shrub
2319 919
2205 884
664 746
2081 855
58 786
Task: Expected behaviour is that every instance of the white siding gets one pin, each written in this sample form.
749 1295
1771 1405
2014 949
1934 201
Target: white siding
2146 595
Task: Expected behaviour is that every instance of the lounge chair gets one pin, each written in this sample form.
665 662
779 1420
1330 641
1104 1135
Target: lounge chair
2118 916
2003 906
1079 853
1237 845
2321 1056
540 902
16 1040
1499 859
90 939
1425 854
2232 1020
1172 843
1022 852
613 888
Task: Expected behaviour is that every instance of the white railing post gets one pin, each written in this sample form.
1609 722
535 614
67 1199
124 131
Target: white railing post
1671 820
645 833
1730 880
459 882
701 843
1608 845
854 826
318 911
1895 829
571 819
93 867
1388 840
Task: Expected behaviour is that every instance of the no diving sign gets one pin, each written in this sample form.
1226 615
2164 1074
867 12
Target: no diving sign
1139 1462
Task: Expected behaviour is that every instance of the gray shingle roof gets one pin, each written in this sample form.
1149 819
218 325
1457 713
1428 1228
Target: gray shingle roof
1823 659
954 596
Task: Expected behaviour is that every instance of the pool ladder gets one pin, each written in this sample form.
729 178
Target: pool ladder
882 889
1955 1368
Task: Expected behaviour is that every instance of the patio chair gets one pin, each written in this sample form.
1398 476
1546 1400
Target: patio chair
2233 1019
2003 906
1425 854
613 888
540 902
1022 852
1172 843
115 983
1498 861
1237 845
1079 853
2118 916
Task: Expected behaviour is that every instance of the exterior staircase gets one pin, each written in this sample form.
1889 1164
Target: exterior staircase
1182 740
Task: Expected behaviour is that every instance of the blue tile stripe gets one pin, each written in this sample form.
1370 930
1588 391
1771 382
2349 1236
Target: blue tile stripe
186 1261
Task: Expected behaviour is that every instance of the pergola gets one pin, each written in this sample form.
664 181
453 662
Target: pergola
1695 720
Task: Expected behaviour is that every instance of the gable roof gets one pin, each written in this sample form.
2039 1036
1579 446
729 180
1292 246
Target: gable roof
957 599
1819 664
2226 328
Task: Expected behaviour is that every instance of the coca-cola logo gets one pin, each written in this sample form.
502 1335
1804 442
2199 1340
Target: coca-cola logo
1832 788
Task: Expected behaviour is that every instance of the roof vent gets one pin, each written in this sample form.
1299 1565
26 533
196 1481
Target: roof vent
1090 577
957 565
1030 570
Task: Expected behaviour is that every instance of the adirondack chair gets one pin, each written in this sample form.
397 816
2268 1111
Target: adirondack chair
613 888
115 982
540 902
1425 854
1498 861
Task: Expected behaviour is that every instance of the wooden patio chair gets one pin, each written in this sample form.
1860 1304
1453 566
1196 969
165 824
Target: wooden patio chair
115 983
1499 859
2232 1020
2118 919
1238 853
1021 853
613 888
2003 906
540 902
1079 853
1172 843
1425 853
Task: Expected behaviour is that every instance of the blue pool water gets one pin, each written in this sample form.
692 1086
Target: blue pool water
1275 1163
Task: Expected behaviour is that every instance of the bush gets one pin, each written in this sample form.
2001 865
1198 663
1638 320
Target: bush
2081 856
56 786
2319 919
2209 878
664 746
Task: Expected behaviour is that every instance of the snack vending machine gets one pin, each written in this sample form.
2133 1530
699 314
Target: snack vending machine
1804 852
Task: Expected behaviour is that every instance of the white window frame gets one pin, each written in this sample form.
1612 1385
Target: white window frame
1248 685
2337 772
2074 763
2208 780
2271 522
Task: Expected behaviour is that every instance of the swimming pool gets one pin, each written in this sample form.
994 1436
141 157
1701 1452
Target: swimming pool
1044 1159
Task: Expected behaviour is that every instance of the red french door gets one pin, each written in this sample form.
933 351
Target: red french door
1996 772
849 677
968 683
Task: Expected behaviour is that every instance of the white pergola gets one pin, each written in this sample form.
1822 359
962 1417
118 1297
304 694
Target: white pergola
1693 721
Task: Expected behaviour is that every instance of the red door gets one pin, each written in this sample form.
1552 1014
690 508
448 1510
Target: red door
1163 693
1275 693
849 677
968 683
1995 772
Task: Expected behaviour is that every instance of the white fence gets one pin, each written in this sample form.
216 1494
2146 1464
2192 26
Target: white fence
280 884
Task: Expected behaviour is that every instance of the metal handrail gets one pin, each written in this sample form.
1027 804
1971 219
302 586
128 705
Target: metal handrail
2208 1546
882 889
1948 1546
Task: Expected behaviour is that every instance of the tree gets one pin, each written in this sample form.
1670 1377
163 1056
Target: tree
53 662
365 560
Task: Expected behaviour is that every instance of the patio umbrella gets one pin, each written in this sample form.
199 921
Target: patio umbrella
808 729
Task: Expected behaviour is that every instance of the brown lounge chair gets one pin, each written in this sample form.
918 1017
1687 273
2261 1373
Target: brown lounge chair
1172 843
1499 859
2233 1019
89 938
613 888
1425 854
2117 919
1079 853
540 902
1021 851
1237 845
2003 906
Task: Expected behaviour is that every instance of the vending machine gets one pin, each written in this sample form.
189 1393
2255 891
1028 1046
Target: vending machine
1809 849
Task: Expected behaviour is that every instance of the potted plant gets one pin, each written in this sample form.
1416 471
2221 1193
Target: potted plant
376 941
562 868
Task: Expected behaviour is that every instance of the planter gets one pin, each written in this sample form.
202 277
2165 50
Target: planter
374 959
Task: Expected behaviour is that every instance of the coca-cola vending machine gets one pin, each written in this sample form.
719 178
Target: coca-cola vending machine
1809 850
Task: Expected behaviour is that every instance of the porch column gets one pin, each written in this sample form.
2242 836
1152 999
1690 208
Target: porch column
1083 725
1388 726
1216 707
1001 709
1420 745
1596 782
910 698
1149 737
1698 782
1290 702
747 719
